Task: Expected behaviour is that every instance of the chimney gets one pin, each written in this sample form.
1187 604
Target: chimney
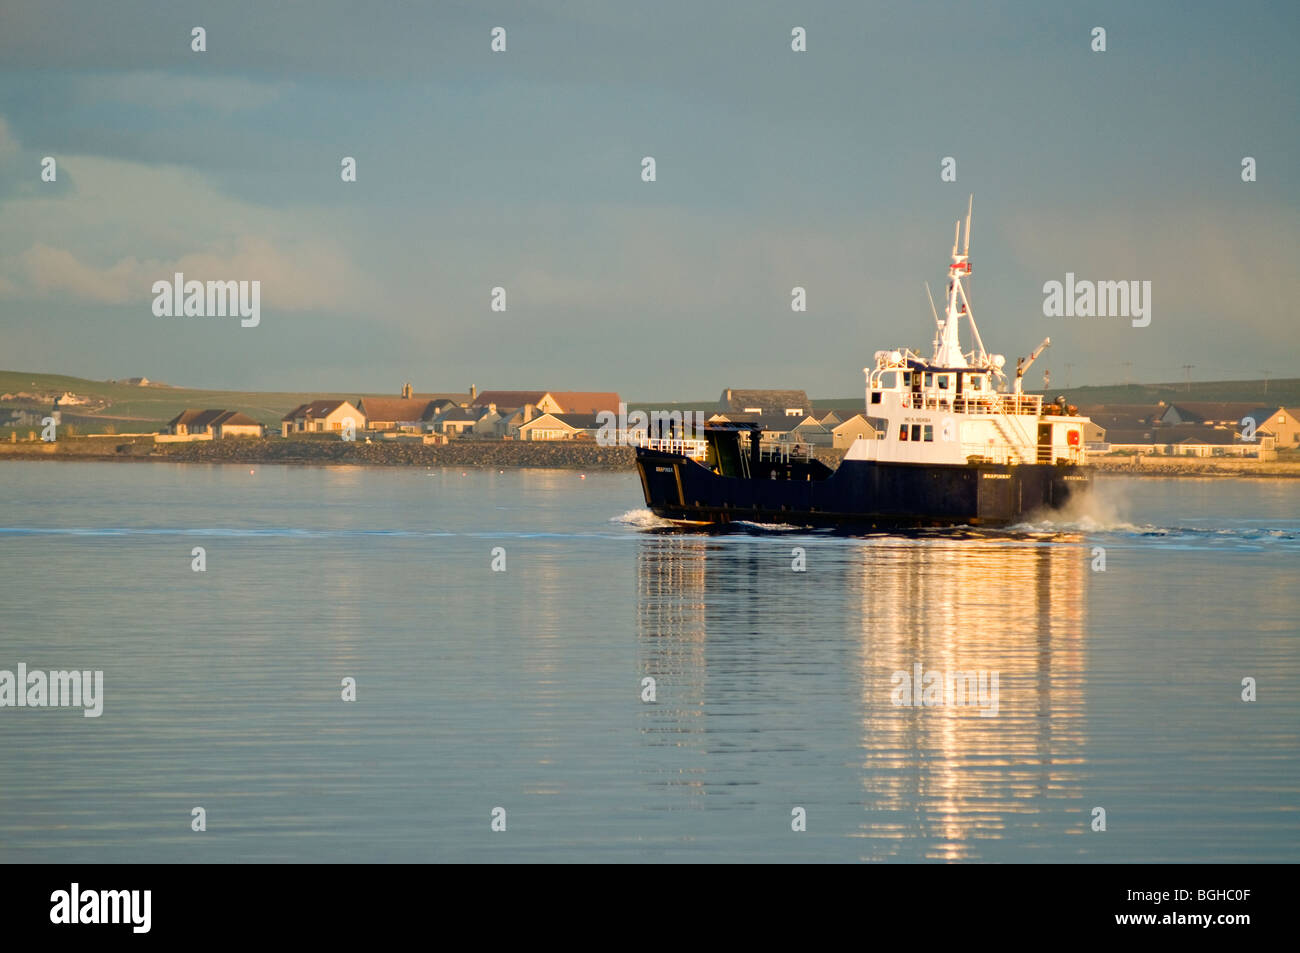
406 389
492 408
473 392
530 412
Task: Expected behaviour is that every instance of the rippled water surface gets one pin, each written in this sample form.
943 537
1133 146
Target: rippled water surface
522 689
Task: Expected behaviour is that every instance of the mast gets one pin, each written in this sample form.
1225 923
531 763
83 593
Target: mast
947 352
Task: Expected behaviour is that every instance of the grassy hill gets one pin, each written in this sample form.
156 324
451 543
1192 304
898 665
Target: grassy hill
124 408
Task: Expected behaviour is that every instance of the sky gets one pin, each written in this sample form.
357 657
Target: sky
523 170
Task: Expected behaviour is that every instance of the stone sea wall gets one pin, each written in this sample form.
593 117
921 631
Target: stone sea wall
568 454
563 454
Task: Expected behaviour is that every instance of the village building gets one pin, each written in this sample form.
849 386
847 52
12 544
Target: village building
856 427
1273 419
560 427
765 404
585 402
1190 440
1283 424
454 421
549 402
321 416
490 423
213 425
235 424
1212 413
511 400
393 413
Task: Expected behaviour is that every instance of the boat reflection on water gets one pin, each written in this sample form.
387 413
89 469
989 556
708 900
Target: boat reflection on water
766 675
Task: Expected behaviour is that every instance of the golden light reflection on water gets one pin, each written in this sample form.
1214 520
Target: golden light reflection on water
947 774
721 620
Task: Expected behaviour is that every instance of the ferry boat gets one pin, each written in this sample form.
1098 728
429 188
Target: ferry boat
951 447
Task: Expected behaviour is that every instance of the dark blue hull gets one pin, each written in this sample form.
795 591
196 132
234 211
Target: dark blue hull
859 494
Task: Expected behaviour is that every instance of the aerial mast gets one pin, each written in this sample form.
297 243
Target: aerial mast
948 353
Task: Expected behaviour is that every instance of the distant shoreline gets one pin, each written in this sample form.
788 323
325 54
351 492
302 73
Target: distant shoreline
565 454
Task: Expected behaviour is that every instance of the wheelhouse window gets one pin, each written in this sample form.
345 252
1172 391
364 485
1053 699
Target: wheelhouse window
929 379
943 381
902 432
927 433
916 431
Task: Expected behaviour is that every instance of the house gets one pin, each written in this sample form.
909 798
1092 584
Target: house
511 400
193 422
321 416
549 402
454 421
1190 440
512 421
584 402
232 423
1216 413
213 424
856 427
435 407
560 427
393 413
766 404
810 431
490 423
1124 416
1280 422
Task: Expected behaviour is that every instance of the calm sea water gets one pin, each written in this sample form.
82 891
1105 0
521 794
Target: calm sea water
522 689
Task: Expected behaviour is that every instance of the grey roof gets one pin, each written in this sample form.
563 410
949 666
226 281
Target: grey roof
580 421
317 408
771 401
1199 411
436 407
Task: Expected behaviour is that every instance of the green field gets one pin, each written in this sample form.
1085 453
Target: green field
139 409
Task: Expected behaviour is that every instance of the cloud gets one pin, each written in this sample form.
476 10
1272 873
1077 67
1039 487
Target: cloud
51 271
167 92
125 225
307 277
8 144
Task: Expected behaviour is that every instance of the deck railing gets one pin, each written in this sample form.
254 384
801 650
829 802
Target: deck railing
695 449
1030 404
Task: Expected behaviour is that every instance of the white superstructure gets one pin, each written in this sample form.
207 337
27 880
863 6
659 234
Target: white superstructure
952 408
